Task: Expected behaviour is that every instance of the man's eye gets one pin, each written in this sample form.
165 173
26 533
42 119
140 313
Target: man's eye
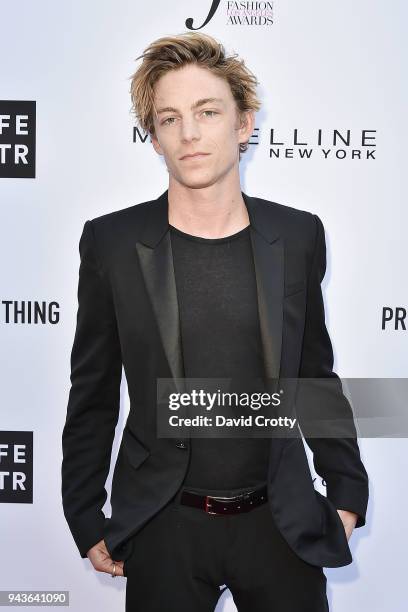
170 120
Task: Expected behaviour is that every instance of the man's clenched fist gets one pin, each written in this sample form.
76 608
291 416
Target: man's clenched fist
102 561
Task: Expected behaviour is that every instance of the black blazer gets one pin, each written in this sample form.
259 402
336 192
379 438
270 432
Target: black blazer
128 314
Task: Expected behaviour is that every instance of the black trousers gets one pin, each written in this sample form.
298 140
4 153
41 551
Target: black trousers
182 556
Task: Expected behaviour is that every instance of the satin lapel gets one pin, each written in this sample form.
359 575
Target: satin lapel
268 261
156 261
268 253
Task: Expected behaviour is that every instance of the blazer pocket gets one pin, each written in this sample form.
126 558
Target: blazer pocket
134 450
294 287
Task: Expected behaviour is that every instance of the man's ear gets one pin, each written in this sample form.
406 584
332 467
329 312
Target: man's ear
156 144
246 125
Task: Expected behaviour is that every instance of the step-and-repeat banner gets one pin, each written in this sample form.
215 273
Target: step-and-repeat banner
330 138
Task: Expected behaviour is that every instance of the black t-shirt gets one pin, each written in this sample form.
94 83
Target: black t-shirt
216 291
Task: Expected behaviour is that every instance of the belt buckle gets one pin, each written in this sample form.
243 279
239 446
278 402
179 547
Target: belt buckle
208 505
241 496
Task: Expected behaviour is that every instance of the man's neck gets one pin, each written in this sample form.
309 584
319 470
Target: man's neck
208 213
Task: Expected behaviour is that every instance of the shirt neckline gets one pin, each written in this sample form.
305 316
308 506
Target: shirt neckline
238 234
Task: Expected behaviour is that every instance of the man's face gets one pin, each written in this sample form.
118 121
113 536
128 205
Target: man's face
182 127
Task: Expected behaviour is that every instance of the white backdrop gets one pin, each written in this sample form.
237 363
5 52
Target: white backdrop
322 66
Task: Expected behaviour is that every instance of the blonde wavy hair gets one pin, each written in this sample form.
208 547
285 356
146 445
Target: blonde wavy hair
173 52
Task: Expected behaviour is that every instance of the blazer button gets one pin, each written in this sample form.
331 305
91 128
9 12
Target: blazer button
181 444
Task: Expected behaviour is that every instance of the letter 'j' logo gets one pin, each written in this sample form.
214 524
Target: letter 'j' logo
214 6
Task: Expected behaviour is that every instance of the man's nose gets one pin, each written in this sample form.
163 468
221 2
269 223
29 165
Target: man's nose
189 129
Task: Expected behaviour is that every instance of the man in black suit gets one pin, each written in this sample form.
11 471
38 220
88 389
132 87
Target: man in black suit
204 281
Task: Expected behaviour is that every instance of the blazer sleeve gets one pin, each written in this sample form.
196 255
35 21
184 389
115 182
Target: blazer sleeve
94 400
336 459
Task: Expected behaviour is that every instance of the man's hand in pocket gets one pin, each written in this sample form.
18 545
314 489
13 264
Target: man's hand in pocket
349 520
102 561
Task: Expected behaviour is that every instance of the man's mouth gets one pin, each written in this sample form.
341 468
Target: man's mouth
195 156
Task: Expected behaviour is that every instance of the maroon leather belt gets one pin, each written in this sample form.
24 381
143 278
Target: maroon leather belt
225 505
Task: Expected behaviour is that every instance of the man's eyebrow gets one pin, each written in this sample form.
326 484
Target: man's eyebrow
195 105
